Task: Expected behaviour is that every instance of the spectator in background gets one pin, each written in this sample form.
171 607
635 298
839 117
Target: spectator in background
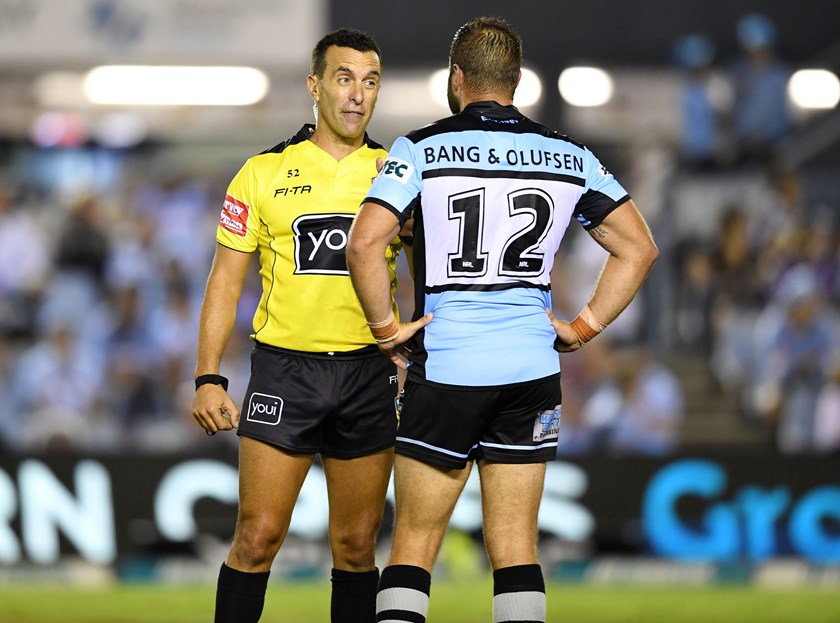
24 263
827 413
738 299
83 244
132 359
699 139
82 250
795 341
695 291
55 391
9 430
639 408
760 113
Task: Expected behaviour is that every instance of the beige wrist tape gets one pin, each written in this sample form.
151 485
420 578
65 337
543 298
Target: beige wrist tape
586 326
386 330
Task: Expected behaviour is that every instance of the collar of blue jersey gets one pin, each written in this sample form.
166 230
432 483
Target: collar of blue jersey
493 109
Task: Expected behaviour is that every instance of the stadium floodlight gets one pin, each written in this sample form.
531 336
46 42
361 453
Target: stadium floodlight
148 85
814 88
529 90
528 93
585 86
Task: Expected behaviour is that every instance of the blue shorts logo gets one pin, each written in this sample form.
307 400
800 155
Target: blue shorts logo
265 409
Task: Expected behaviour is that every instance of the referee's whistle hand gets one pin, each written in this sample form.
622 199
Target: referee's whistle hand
214 410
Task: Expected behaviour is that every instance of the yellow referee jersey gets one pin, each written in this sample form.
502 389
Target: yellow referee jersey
295 204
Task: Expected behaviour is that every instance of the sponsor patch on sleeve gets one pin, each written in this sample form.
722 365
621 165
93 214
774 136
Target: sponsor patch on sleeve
234 217
397 169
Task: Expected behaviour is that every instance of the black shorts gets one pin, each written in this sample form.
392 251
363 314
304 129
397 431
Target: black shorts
341 405
450 426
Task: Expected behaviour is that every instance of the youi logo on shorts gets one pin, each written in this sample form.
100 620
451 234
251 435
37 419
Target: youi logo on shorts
547 424
265 409
397 169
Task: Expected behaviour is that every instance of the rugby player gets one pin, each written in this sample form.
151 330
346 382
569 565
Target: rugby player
491 193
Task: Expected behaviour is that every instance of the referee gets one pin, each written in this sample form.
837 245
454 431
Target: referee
491 194
318 382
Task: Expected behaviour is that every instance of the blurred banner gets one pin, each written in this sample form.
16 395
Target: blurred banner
712 508
58 33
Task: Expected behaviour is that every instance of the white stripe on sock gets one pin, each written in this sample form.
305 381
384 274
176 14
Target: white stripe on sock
520 606
401 598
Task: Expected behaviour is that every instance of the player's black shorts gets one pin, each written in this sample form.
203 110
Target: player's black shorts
449 426
341 405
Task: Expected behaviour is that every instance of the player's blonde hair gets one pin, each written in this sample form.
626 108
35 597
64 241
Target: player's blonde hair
489 51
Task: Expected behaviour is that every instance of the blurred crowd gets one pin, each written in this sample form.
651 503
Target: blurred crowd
100 294
752 286
99 303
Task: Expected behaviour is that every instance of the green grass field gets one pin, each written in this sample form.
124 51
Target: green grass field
453 603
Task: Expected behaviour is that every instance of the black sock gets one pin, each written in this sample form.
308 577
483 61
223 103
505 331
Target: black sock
353 596
403 594
240 595
518 594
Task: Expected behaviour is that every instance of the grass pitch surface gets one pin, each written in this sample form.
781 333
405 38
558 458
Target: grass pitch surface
450 603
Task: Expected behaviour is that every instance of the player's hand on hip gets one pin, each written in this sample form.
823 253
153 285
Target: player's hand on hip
394 348
214 410
567 340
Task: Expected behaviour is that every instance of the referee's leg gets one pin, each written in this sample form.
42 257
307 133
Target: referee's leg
269 483
511 495
356 489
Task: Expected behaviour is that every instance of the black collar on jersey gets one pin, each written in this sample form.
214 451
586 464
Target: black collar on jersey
493 109
305 133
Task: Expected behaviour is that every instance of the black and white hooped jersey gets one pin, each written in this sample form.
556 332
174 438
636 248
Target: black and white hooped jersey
491 193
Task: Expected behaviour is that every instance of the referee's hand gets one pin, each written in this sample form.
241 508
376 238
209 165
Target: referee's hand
567 340
394 349
214 410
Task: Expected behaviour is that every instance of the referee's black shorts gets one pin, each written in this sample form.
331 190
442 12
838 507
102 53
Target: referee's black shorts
448 426
342 405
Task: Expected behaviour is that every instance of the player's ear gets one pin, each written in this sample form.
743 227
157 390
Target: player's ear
313 85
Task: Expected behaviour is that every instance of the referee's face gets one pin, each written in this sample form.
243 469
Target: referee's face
346 93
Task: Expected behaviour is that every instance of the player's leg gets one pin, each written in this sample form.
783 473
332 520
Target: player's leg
510 495
425 498
269 483
356 489
513 451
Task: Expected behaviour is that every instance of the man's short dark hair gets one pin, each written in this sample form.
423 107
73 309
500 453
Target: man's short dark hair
489 51
343 38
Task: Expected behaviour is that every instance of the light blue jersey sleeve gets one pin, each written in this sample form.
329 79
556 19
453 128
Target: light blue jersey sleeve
399 181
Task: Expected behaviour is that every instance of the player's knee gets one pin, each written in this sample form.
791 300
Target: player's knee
354 547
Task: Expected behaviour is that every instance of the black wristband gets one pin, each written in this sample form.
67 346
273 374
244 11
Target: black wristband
215 379
407 240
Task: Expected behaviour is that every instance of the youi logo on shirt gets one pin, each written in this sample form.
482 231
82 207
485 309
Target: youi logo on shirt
397 169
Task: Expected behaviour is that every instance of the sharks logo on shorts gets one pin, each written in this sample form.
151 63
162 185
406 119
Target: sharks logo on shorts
547 424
